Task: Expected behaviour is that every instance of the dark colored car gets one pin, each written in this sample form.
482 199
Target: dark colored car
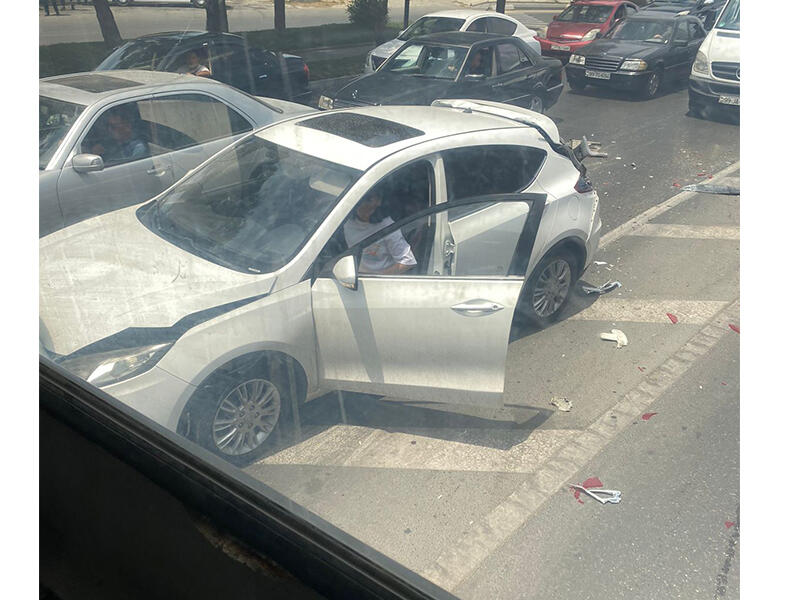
229 57
580 23
639 54
705 10
457 64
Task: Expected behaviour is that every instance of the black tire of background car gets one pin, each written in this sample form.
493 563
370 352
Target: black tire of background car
525 308
121 2
648 89
199 3
537 103
201 409
576 84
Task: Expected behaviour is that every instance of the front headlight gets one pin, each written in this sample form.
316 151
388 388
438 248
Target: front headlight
325 103
577 59
700 64
633 64
590 35
105 368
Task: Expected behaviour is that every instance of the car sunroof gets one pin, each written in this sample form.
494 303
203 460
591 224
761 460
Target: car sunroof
363 129
96 83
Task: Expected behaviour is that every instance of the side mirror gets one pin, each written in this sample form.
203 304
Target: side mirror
344 271
474 77
86 163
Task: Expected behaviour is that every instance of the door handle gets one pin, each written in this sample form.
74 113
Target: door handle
477 307
159 171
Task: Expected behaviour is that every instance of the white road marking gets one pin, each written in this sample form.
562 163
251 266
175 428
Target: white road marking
476 450
639 220
699 232
620 310
486 535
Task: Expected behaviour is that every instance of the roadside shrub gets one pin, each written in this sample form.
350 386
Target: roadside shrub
372 14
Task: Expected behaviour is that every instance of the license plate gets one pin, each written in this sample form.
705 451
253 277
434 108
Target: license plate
732 100
560 47
599 75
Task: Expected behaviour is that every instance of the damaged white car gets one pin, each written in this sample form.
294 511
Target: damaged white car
379 249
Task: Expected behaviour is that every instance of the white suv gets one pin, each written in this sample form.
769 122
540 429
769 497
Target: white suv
381 250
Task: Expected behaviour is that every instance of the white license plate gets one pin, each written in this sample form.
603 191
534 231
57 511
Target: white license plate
598 75
732 100
560 47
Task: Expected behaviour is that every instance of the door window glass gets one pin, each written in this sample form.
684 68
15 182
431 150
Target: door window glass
508 58
697 31
682 32
478 25
501 26
121 135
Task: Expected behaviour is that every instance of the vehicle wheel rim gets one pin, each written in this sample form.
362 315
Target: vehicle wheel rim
246 417
652 84
536 104
551 288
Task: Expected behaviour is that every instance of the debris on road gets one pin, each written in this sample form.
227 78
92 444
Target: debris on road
600 262
710 188
561 404
615 336
641 369
734 327
672 318
601 495
592 482
729 524
648 416
608 286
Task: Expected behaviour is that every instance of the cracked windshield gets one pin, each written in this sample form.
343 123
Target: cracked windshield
432 270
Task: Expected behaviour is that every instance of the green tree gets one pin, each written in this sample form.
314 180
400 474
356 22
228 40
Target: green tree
372 14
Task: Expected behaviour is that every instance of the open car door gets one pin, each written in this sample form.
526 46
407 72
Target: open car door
439 331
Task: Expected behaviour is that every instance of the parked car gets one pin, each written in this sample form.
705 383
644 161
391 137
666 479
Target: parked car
716 73
195 3
457 65
112 139
228 57
479 21
639 54
705 10
579 24
261 278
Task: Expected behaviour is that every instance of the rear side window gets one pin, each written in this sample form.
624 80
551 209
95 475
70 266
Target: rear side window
480 170
501 26
478 25
509 58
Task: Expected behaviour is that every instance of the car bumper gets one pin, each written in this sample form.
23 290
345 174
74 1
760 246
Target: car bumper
562 54
156 394
713 94
623 80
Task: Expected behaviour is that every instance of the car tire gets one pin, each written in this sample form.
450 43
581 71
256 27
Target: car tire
537 103
549 287
122 2
199 3
652 84
241 411
577 85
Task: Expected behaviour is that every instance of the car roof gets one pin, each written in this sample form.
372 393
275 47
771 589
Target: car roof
464 14
427 122
89 87
461 38
655 15
601 2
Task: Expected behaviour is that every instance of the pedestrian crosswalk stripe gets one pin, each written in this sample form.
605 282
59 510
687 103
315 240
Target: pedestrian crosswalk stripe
670 230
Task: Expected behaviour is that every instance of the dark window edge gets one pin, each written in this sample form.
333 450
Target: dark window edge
323 557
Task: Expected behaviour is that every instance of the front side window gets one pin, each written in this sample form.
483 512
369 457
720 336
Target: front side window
428 25
121 135
682 32
638 30
252 208
56 117
438 62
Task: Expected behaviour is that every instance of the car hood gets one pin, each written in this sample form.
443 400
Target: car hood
623 49
387 49
559 29
390 88
723 47
109 273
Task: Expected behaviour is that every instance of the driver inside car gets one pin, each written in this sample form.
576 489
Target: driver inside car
389 255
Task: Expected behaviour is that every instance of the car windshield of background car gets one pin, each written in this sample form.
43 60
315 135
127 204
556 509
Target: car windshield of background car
730 17
428 25
653 32
585 13
234 212
56 117
140 54
437 62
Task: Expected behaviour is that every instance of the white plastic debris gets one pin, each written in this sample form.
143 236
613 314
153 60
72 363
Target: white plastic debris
615 336
601 495
600 262
608 286
562 404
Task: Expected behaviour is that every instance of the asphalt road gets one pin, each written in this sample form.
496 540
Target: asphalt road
476 499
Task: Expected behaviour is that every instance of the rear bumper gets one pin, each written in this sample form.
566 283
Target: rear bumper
622 80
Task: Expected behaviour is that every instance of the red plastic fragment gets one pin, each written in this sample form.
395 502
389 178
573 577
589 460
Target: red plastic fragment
641 369
734 327
702 174
672 318
577 493
723 383
592 482
676 184
646 416
729 524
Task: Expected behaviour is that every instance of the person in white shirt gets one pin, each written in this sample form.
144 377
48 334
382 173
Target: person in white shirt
391 254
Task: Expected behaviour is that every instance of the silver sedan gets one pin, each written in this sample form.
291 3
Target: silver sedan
113 139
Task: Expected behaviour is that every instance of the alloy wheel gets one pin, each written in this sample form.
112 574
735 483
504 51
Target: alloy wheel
537 105
551 288
246 417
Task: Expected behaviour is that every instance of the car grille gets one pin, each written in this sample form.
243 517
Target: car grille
377 61
726 70
603 63
725 90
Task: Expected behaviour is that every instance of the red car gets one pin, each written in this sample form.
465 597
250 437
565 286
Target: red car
581 22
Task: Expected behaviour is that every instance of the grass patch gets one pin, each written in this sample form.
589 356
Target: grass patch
337 67
319 36
74 57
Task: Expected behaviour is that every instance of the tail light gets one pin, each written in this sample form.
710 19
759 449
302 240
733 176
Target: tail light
306 71
583 185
